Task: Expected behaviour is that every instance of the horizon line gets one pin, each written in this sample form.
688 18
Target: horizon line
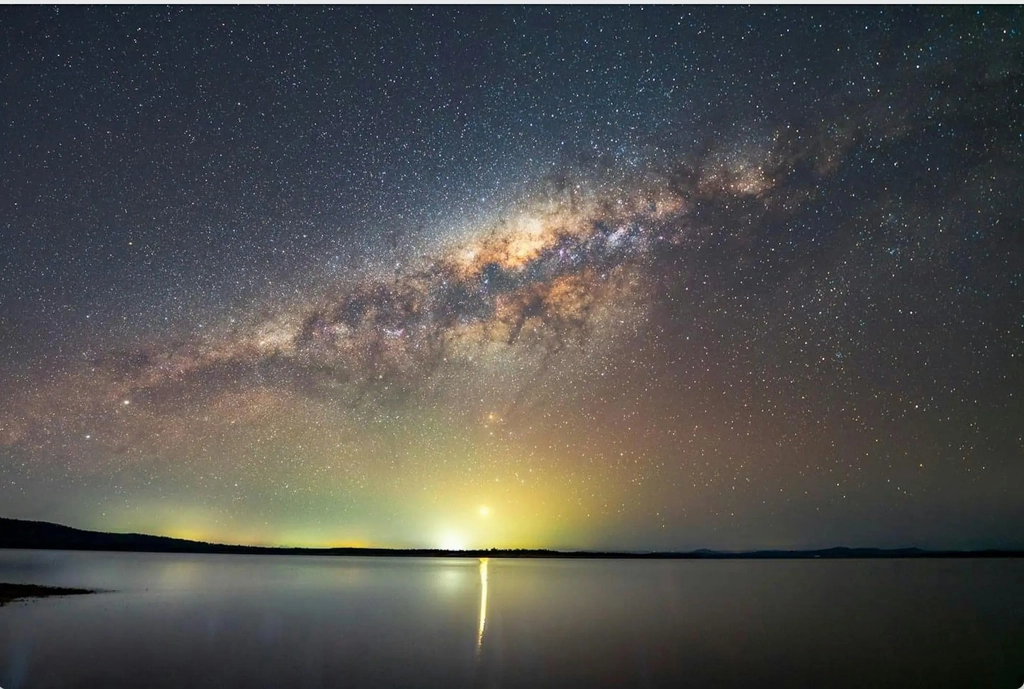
497 551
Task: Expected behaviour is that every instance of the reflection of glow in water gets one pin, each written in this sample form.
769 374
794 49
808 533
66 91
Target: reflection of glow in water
483 604
178 575
451 578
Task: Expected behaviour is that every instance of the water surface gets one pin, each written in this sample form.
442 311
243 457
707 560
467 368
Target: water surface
287 621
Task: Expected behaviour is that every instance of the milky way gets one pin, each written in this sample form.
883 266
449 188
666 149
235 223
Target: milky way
576 267
624 293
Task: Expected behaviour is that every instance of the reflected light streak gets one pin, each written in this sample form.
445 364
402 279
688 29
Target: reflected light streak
483 604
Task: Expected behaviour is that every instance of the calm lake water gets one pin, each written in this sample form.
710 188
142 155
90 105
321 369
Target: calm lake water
264 621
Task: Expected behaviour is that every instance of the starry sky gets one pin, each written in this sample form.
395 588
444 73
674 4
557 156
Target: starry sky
606 277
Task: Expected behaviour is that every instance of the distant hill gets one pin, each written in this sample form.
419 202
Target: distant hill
17 533
31 535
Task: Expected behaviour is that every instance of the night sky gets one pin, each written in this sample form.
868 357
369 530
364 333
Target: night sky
628 278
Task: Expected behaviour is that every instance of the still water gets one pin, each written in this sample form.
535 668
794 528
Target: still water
265 621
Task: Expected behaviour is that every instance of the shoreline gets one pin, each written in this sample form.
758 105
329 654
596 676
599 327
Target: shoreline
512 554
14 592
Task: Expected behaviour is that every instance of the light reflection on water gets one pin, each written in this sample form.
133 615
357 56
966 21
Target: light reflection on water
263 621
483 605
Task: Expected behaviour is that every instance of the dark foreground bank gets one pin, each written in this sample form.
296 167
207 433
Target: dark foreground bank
12 592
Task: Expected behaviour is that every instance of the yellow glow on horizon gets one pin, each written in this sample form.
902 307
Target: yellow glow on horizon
501 506
453 541
348 544
188 534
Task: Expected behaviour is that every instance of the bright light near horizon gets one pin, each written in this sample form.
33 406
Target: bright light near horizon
485 511
453 541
